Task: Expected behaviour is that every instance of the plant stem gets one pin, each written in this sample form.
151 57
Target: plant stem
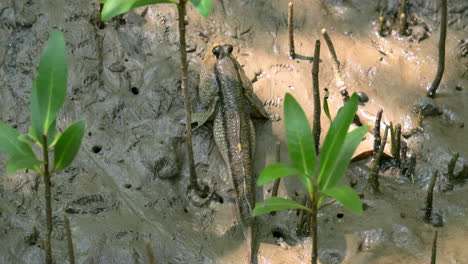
48 200
443 36
430 197
434 249
377 138
316 129
274 191
71 253
314 225
292 53
181 8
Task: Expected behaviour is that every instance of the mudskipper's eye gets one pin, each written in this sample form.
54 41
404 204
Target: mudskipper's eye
217 51
228 48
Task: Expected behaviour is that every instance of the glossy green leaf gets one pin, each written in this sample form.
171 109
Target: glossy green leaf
326 109
56 138
203 6
18 162
333 176
276 204
68 145
278 170
26 139
10 144
335 137
114 8
50 86
347 196
301 145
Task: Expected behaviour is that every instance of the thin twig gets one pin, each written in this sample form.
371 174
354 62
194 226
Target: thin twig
373 179
48 200
292 52
443 36
181 7
430 197
316 129
336 67
71 252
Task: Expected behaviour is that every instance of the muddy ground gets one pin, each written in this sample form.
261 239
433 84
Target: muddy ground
128 185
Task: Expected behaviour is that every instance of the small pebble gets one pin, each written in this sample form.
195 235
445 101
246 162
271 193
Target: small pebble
363 98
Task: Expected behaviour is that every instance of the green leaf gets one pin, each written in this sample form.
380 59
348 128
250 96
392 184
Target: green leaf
68 145
333 176
56 138
114 8
203 6
301 145
50 86
278 170
276 204
18 162
10 144
326 109
347 196
334 139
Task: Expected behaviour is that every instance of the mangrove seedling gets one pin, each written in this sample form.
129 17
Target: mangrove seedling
47 97
320 183
113 8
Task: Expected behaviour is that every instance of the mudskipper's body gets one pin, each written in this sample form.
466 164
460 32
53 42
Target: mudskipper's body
228 94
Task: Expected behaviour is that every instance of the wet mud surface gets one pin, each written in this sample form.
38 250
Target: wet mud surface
128 185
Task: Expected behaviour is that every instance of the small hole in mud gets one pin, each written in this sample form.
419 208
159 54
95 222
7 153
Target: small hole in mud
185 210
96 149
90 134
135 90
221 200
126 60
277 234
339 215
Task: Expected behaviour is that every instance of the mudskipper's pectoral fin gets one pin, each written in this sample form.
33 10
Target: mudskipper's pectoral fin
256 105
201 118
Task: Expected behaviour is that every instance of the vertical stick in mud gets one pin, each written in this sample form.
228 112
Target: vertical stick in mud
336 67
451 166
292 52
71 252
441 65
434 249
430 197
316 129
48 200
377 138
181 8
397 144
373 179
